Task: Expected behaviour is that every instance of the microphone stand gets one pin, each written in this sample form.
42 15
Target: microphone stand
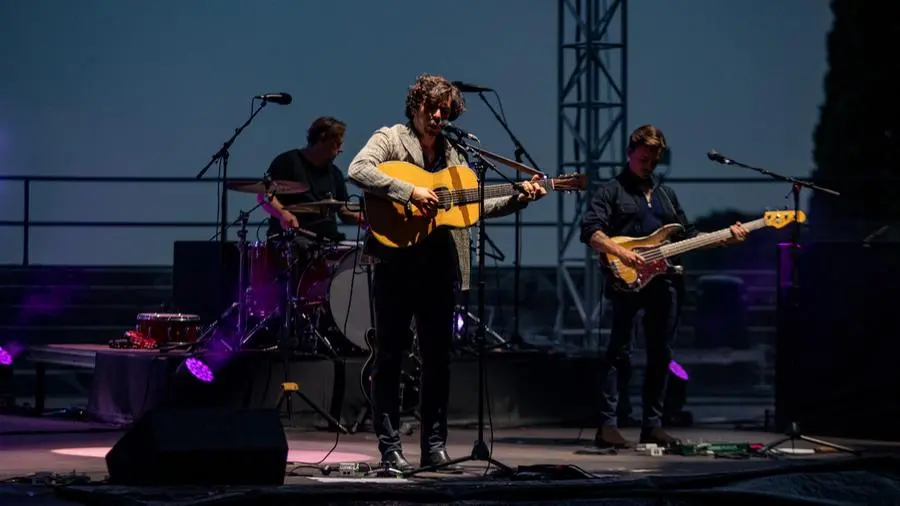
480 451
221 156
793 433
516 337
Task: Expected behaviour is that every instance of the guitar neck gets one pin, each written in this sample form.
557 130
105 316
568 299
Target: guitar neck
702 240
470 195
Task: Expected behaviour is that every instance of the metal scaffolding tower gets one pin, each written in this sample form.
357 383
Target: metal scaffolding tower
592 132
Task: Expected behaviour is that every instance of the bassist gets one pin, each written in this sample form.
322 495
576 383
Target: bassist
418 281
635 204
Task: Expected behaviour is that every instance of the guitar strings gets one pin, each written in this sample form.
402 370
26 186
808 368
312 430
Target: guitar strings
469 195
677 248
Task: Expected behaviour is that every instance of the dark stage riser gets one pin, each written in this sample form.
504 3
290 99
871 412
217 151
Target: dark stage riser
837 371
524 389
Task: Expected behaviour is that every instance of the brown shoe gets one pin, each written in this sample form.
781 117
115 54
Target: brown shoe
610 438
657 436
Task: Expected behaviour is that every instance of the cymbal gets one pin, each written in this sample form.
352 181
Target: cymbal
251 186
313 207
509 163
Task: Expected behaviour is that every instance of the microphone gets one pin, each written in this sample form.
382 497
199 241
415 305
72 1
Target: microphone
469 87
449 129
276 98
716 157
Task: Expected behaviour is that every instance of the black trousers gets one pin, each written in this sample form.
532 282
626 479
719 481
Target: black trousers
661 302
417 282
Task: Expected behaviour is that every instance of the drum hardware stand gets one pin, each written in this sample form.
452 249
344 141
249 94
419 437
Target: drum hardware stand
288 387
793 433
480 450
241 305
463 312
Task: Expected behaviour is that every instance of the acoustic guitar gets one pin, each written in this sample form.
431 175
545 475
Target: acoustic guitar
398 226
656 248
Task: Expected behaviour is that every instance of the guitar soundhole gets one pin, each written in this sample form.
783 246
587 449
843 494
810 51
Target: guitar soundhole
445 200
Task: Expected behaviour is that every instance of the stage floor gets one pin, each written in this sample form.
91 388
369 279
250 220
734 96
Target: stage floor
61 446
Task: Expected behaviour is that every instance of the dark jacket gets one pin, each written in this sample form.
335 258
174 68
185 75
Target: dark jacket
617 205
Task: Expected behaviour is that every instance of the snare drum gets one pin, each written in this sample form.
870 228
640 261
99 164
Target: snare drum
169 328
335 285
264 264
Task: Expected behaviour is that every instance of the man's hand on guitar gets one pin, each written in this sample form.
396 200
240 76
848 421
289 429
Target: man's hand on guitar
629 258
738 233
425 200
531 190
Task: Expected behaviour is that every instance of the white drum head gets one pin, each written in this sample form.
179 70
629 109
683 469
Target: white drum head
349 298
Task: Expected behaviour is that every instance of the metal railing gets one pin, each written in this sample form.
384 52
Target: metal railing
26 223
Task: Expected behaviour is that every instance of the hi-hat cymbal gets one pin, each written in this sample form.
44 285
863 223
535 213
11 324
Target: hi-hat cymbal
312 207
283 187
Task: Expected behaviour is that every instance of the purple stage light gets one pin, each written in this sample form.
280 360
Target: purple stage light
679 372
5 357
459 323
199 370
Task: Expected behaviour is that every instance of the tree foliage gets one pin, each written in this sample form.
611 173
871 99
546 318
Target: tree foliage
857 139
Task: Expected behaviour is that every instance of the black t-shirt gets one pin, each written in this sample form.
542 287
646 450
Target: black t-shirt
324 182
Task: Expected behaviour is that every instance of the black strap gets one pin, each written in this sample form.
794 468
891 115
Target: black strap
665 192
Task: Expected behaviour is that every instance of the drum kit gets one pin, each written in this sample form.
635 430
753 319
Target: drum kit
295 290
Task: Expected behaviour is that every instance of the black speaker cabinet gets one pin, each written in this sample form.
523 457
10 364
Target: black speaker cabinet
201 446
837 371
204 280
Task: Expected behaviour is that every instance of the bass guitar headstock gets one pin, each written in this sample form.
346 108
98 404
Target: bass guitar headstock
781 219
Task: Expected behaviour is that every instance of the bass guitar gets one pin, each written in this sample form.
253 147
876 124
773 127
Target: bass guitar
656 249
398 226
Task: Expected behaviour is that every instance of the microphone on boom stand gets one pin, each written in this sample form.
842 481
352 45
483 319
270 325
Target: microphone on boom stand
276 98
520 153
786 332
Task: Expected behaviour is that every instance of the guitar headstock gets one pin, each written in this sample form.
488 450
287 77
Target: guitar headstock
569 182
781 219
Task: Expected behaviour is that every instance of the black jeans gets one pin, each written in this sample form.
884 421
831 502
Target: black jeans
660 301
419 282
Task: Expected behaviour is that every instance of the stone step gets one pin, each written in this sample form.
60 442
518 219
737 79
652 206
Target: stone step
85 276
73 315
39 335
55 295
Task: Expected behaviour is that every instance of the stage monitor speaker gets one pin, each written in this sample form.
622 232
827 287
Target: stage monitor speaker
198 284
201 446
837 371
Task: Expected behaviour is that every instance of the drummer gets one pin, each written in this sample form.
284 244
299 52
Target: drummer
314 166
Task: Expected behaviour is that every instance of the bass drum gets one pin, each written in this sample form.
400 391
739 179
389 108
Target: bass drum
334 291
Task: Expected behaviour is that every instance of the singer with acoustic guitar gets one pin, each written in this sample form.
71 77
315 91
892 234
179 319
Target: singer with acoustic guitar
635 204
418 279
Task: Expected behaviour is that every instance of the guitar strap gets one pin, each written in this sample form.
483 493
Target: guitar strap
665 192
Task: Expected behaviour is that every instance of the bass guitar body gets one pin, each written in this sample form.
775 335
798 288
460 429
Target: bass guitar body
628 279
398 226
657 248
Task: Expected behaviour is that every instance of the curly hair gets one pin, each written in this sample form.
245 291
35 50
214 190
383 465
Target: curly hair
432 88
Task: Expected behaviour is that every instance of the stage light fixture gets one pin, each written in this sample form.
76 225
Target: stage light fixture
679 372
197 369
674 414
6 358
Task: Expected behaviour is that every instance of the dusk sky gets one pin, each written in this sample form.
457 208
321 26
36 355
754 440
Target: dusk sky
131 88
